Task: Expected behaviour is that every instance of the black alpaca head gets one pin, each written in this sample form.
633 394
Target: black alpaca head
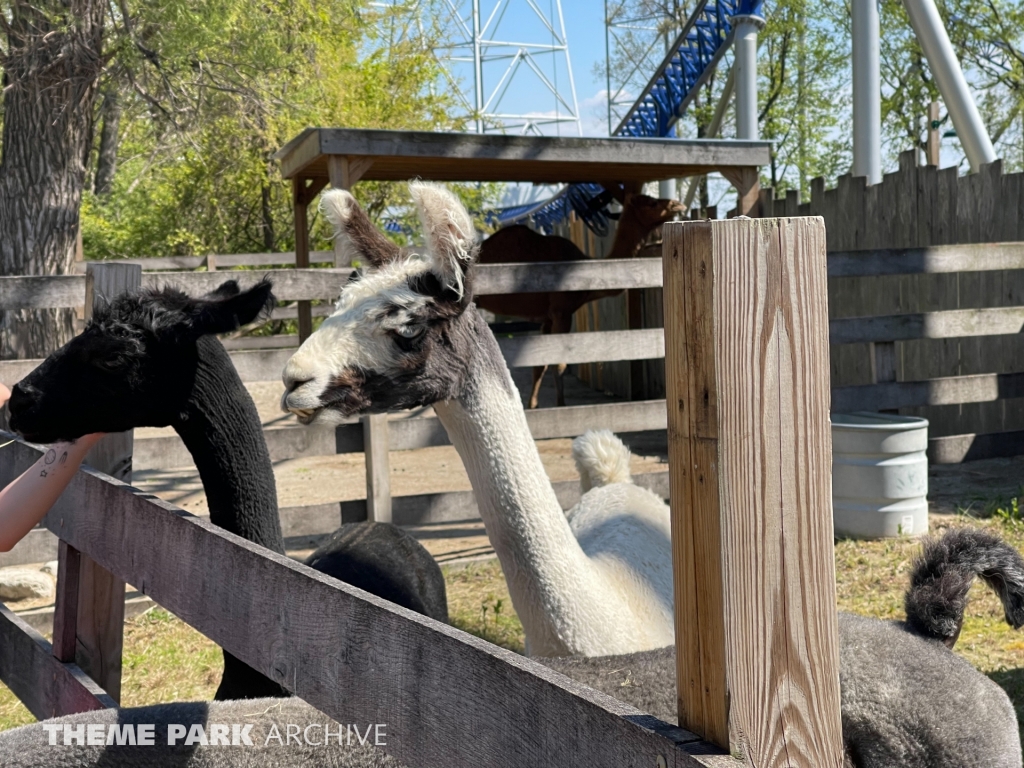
132 366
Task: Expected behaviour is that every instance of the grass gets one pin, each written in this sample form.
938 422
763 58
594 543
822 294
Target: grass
166 660
479 603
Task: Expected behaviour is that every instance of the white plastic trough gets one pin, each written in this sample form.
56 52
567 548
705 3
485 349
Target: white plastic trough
879 475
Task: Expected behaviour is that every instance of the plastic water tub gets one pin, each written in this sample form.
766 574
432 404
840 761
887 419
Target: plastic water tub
879 475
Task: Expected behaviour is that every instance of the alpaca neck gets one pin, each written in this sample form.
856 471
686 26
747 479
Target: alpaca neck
548 574
222 430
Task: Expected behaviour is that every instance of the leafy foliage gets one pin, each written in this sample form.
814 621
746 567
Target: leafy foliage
805 79
210 90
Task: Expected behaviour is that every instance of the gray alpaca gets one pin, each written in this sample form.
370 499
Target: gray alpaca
28 746
907 700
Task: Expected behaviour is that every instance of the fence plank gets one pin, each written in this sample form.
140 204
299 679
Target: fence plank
605 346
930 260
951 390
46 686
42 292
352 655
376 447
928 325
100 617
750 462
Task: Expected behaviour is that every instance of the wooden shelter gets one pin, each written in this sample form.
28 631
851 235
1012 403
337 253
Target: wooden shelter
343 156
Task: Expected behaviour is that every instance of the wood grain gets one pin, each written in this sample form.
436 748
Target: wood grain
42 292
99 624
47 687
750 464
376 447
352 655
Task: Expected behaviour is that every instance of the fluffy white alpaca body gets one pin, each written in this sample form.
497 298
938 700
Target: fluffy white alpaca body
595 581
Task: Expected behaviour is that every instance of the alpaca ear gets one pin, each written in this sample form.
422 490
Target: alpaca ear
225 290
227 308
449 232
359 239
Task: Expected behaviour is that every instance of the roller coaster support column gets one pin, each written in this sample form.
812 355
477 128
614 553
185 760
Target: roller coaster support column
927 24
867 92
746 28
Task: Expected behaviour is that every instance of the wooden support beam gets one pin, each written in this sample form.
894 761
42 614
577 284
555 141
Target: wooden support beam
378 467
99 623
344 172
748 189
300 200
749 464
65 608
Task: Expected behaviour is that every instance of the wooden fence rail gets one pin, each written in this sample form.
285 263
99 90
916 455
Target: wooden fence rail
352 655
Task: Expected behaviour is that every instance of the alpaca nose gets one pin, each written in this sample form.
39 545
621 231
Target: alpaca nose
290 386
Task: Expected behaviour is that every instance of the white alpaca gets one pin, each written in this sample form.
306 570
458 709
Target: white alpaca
595 581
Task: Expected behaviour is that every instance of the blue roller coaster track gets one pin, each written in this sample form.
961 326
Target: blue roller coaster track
691 60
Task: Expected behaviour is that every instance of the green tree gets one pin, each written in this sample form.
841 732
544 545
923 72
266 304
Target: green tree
51 59
196 173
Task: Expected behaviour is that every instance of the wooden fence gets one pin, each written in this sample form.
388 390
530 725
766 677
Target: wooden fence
400 431
433 685
885 344
919 207
453 700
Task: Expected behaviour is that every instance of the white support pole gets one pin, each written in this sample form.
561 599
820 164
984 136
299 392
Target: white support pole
867 92
927 24
746 28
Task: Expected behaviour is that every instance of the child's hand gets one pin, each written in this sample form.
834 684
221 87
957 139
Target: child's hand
5 395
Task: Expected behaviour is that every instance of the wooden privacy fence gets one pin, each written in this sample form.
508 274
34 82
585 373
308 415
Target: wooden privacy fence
453 700
920 207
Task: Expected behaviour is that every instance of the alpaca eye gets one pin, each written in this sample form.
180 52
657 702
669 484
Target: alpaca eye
410 331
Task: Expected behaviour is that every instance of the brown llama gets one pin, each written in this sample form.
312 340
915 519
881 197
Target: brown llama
554 310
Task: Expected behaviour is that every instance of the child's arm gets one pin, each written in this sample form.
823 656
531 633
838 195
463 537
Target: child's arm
26 501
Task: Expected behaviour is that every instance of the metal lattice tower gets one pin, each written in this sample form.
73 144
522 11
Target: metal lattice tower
508 62
638 34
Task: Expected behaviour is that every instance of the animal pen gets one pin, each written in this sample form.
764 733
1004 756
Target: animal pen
355 656
746 354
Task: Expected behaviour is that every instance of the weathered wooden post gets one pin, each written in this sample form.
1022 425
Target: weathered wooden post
89 610
746 340
301 197
344 172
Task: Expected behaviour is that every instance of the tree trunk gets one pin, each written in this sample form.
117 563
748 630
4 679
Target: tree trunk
52 64
106 158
